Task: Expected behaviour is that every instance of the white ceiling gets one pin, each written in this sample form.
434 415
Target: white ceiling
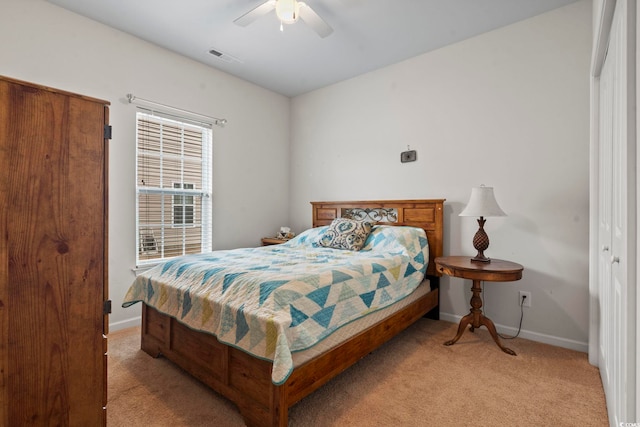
368 34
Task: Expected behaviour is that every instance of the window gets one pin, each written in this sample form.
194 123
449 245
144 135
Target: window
183 206
173 186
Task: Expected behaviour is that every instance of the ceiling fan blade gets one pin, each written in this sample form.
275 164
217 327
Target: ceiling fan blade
312 19
255 13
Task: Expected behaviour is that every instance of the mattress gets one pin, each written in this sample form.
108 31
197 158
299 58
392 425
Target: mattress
275 301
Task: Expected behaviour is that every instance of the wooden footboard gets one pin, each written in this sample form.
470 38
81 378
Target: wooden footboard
246 380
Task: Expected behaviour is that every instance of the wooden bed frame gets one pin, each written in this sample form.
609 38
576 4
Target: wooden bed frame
245 379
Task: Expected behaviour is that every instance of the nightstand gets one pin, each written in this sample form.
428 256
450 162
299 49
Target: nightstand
495 271
266 241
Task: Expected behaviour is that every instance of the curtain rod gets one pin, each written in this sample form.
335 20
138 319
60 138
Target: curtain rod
215 120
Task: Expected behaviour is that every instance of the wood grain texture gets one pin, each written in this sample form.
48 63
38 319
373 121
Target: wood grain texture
4 254
246 380
423 213
53 229
497 270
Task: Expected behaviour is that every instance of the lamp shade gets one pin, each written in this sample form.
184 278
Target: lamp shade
482 203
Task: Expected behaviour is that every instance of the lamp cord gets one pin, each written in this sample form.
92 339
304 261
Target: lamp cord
521 317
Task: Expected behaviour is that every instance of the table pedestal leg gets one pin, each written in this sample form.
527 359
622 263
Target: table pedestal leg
477 319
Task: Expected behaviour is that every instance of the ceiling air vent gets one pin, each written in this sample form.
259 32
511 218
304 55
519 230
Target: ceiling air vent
223 56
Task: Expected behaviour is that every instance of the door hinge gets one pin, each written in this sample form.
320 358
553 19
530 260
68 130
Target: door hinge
107 131
106 308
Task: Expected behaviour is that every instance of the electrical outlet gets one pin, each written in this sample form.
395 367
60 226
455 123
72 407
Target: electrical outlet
527 300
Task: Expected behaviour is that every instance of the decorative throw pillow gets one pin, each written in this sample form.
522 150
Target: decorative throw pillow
344 233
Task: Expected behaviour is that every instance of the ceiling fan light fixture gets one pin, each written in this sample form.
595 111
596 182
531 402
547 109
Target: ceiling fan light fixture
287 11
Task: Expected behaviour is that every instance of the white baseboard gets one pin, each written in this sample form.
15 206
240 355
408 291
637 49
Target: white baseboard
124 324
533 336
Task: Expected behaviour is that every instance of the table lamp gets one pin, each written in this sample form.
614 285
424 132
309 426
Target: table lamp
482 204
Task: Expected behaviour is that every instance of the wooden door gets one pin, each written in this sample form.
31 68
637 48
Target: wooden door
52 257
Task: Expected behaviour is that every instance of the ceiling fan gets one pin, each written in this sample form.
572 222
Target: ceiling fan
288 12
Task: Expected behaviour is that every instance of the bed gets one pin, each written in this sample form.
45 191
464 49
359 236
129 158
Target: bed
267 375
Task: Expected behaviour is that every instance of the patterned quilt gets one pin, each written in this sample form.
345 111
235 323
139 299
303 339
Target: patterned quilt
274 300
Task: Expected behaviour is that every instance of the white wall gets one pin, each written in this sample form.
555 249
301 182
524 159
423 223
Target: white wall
508 109
48 45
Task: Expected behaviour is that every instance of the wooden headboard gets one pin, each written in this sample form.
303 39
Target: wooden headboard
425 214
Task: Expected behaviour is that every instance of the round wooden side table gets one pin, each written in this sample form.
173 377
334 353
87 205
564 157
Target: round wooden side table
496 270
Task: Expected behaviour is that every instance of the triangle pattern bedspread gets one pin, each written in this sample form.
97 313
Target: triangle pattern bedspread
274 300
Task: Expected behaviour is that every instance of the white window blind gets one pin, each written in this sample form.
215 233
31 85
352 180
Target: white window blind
173 186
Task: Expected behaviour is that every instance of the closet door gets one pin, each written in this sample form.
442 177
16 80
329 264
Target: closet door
616 150
52 257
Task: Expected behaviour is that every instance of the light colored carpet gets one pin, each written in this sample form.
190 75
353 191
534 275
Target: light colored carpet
413 380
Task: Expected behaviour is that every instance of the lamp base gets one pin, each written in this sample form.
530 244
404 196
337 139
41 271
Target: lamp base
481 243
